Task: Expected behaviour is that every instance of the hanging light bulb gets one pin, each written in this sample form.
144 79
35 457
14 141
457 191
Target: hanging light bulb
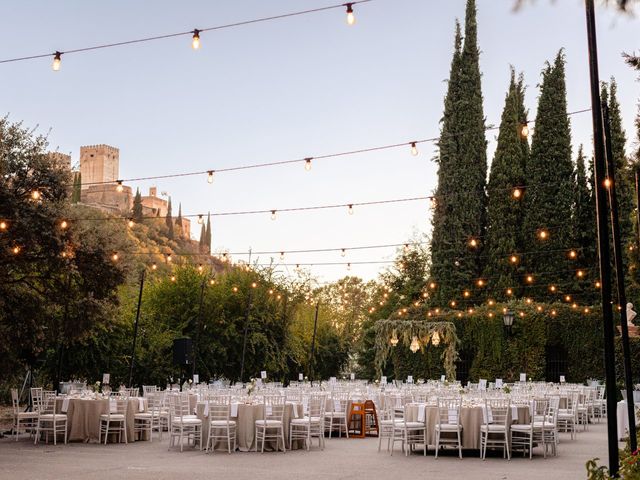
200 268
254 285
573 254
200 219
552 288
509 291
3 225
343 253
467 293
607 182
406 247
348 266
210 176
415 344
195 41
63 224
580 273
114 257
16 250
480 282
225 257
543 234
351 19
281 256
394 339
433 202
517 193
453 303
119 187
154 266
57 60
169 258
235 289
212 282
473 243
273 214
307 164
35 195
131 223
173 278
414 149
597 284
435 338
529 278
567 298
350 209
524 130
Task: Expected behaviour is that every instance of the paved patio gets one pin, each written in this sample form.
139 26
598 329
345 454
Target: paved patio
342 459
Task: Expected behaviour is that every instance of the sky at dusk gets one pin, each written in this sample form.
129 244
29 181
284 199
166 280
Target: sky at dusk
287 89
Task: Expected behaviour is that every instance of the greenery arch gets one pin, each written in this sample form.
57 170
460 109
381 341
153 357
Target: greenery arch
425 332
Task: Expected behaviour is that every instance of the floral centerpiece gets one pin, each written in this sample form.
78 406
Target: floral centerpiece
96 387
252 386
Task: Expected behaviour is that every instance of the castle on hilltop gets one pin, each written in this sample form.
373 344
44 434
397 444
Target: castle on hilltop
99 174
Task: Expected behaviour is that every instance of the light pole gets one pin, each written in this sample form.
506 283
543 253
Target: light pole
135 329
603 240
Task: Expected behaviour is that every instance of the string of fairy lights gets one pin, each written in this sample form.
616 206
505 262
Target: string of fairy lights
517 193
196 40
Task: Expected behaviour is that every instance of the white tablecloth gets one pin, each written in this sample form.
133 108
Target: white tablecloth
623 419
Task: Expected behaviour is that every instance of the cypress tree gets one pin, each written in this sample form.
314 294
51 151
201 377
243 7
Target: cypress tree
207 236
137 207
77 186
505 190
202 239
458 220
169 220
179 219
584 230
549 198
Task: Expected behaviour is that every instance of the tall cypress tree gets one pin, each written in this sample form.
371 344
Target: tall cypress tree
137 207
549 198
77 186
458 219
207 236
203 235
584 230
169 220
505 190
179 219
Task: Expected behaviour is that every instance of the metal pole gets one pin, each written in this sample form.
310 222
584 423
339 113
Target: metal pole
603 239
622 297
313 343
638 204
196 349
135 330
246 331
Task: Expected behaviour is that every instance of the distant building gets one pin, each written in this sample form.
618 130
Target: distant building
100 172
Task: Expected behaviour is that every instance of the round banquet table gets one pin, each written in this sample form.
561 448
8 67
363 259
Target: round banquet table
83 417
245 416
471 419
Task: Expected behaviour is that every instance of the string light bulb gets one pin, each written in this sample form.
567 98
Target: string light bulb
154 266
350 210
480 282
200 268
414 149
169 258
35 195
16 250
473 243
406 247
433 203
552 288
307 164
254 285
57 60
598 284
200 219
467 294
173 278
64 224
351 19
580 273
210 176
543 234
195 40
607 182
573 254
348 266
3 225
119 187
517 193
114 257
281 256
343 253
273 215
529 278
415 344
509 291
524 130
131 223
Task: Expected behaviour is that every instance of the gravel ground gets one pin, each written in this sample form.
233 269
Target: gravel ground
342 459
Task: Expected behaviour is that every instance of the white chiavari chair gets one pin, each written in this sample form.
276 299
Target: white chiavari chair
449 423
495 430
221 427
44 403
523 436
271 425
183 424
337 415
115 421
22 421
311 425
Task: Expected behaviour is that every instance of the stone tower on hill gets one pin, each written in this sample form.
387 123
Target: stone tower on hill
99 163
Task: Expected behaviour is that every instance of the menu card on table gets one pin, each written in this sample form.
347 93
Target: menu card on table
523 377
263 374
105 378
410 379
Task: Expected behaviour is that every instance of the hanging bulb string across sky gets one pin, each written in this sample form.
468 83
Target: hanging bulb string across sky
195 33
307 161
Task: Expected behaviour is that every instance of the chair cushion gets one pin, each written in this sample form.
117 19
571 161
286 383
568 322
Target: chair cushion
222 423
270 423
415 424
50 416
521 428
493 428
305 420
114 416
445 427
186 421
143 416
27 415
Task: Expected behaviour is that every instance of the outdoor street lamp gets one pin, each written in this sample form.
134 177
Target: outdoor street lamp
507 319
